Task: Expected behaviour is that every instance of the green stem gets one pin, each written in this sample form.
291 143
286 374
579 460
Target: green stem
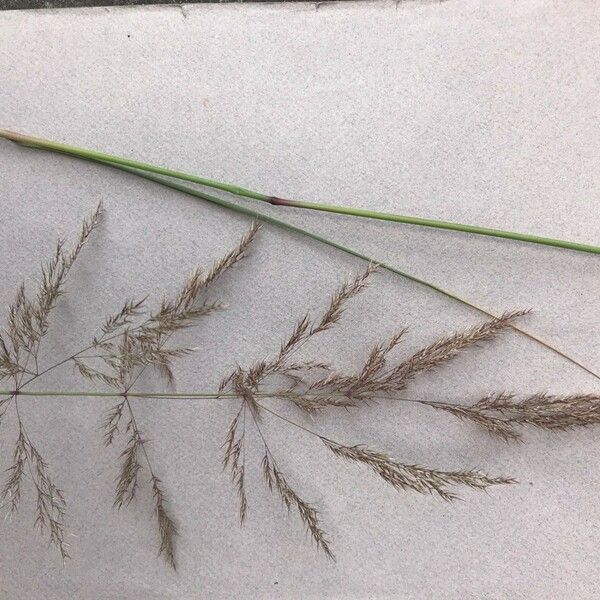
42 144
207 396
499 233
274 200
86 394
289 227
173 395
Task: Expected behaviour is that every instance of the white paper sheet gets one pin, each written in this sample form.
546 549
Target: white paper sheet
480 112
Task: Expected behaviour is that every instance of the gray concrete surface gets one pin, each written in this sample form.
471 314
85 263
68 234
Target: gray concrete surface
476 111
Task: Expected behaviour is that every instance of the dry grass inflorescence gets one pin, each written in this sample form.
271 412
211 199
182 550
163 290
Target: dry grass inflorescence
138 338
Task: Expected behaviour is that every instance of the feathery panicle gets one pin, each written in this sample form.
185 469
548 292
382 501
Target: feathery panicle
414 477
337 389
28 322
372 381
136 338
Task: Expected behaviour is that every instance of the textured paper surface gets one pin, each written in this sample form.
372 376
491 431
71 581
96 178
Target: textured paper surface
481 112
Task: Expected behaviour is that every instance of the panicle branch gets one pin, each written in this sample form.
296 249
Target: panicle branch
415 477
502 414
235 458
50 502
166 525
246 382
308 513
134 338
127 480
